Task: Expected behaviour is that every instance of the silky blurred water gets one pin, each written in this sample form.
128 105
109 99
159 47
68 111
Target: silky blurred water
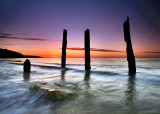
106 89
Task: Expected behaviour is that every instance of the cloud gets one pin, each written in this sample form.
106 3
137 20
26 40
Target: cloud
75 48
27 34
95 49
10 36
9 44
150 52
14 44
104 50
40 35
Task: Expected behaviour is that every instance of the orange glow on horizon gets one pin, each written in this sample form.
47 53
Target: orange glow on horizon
80 54
56 53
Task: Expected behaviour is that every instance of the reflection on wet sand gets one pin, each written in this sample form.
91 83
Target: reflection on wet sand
131 93
26 75
87 77
63 72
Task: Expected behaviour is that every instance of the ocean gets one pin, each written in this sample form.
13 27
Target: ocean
106 89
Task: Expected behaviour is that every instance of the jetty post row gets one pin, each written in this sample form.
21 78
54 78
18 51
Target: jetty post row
127 38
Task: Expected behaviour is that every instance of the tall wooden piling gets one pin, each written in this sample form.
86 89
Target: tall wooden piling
129 50
64 46
87 49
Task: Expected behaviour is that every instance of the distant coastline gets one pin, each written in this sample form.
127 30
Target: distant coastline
4 53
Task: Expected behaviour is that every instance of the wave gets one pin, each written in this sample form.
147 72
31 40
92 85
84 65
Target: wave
74 69
147 60
151 67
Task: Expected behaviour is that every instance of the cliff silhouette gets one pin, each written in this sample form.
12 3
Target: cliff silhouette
4 53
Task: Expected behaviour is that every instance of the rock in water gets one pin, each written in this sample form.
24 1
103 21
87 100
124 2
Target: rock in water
52 94
27 66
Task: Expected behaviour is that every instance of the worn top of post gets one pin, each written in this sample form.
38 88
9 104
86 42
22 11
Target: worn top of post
87 49
126 28
64 45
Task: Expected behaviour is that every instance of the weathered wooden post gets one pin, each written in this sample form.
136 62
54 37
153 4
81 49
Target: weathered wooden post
27 66
87 49
129 50
64 45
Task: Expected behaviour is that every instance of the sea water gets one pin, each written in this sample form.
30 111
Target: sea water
106 89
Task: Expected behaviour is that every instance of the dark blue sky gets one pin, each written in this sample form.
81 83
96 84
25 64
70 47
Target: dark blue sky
46 19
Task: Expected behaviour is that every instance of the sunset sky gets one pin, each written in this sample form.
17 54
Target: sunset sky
35 27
